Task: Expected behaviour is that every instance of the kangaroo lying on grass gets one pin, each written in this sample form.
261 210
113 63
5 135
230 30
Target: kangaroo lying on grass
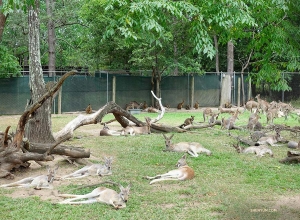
184 172
192 148
271 140
131 130
94 169
105 131
260 151
100 194
37 182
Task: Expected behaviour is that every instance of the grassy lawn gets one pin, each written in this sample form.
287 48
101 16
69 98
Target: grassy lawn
227 185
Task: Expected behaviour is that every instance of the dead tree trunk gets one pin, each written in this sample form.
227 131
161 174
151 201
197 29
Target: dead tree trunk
14 151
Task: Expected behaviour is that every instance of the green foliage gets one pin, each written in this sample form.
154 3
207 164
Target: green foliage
9 65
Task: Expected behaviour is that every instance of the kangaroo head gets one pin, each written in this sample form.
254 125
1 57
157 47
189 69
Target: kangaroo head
168 141
108 162
124 192
182 161
51 173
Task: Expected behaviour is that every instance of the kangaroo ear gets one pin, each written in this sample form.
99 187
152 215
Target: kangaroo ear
165 136
171 136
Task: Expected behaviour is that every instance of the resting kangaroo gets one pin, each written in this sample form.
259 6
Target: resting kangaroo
188 121
184 172
192 148
271 140
105 131
132 130
94 169
260 151
37 182
101 194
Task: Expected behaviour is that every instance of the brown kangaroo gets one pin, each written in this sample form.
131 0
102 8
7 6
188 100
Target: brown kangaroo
180 105
184 172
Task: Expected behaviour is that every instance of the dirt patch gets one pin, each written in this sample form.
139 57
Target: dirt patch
288 202
48 194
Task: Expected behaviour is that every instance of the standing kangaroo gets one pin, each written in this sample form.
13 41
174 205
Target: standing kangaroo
184 172
250 105
206 113
263 105
94 169
100 194
196 105
180 105
132 130
37 182
192 148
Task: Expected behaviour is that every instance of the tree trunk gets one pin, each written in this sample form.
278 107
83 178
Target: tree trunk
227 79
2 22
38 128
217 54
51 37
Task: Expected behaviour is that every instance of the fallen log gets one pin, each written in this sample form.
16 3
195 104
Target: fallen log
292 157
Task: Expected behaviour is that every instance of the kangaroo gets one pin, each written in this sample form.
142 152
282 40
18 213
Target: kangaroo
256 135
145 105
188 121
229 123
213 118
180 105
192 148
100 194
207 112
263 105
286 108
250 105
187 107
253 122
260 151
273 113
94 169
133 105
131 130
271 140
105 131
196 105
89 109
184 172
37 182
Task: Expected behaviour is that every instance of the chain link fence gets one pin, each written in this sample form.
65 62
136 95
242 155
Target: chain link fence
81 90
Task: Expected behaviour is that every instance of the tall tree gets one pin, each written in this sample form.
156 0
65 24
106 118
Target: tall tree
50 5
39 126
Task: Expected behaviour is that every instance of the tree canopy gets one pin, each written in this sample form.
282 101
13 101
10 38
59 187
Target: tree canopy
176 37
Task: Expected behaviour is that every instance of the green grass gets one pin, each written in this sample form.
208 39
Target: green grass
227 185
